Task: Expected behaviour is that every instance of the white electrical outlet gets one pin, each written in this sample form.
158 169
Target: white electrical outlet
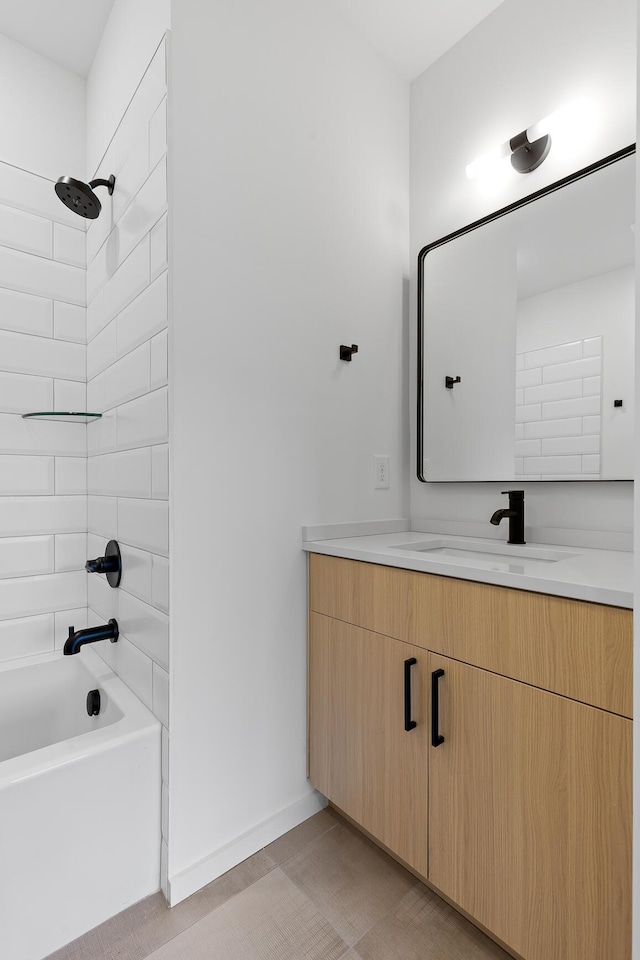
381 472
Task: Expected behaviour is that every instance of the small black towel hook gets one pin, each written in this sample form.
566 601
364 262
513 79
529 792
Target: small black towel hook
347 352
449 382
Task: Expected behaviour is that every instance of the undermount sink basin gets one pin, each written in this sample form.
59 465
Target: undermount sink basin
481 550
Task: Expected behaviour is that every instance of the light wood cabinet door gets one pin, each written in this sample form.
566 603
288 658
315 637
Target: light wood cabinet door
360 754
530 815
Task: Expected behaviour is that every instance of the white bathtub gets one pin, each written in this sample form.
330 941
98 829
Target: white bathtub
79 801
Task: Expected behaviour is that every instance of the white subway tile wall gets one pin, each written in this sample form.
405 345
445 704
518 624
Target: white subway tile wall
29 193
26 636
558 411
43 467
84 325
127 321
41 594
26 556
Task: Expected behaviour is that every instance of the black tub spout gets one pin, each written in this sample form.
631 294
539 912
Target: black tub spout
78 638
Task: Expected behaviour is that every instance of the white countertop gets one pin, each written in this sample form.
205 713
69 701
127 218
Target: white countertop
599 576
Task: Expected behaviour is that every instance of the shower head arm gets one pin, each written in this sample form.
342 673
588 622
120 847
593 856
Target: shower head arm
109 184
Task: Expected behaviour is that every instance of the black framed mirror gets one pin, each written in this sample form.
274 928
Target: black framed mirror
526 325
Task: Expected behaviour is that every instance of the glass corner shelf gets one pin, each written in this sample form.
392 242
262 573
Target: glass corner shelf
63 416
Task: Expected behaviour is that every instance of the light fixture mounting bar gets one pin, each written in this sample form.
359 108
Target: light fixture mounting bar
527 155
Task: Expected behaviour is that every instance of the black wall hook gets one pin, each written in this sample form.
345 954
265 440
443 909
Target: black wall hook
347 352
449 382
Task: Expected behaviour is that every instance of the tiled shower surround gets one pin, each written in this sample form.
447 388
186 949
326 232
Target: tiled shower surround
558 411
128 465
43 505
128 455
66 489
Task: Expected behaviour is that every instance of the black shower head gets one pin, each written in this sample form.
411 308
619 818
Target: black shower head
79 196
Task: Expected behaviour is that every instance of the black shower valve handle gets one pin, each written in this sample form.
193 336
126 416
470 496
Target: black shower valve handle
110 564
102 565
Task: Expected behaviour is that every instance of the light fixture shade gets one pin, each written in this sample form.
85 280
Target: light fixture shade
571 120
487 161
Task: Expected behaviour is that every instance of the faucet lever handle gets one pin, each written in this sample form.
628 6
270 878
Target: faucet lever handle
514 493
72 631
110 563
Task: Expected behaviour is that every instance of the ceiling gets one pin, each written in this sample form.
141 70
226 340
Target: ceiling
66 31
411 34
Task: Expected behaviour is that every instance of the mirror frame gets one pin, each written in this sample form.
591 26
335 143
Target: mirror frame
517 205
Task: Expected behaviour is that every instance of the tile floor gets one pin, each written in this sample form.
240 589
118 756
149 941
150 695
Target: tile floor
321 892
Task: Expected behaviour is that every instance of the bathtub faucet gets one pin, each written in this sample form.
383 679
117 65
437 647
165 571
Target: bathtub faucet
77 638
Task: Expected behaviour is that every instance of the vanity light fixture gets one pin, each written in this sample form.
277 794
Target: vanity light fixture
527 150
526 154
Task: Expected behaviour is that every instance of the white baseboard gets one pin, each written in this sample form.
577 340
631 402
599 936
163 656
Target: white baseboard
188 881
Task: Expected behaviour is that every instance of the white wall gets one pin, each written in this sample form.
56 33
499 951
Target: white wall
128 467
42 107
131 35
288 189
514 68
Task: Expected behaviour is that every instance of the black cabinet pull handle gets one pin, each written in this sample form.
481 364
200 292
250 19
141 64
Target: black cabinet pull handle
436 737
409 724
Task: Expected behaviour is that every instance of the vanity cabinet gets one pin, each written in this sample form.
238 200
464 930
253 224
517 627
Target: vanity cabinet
530 815
526 823
360 754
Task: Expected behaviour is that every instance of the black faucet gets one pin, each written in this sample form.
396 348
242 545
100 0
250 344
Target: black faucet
515 513
77 638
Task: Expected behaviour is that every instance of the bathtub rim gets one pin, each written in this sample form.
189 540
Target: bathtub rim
137 722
